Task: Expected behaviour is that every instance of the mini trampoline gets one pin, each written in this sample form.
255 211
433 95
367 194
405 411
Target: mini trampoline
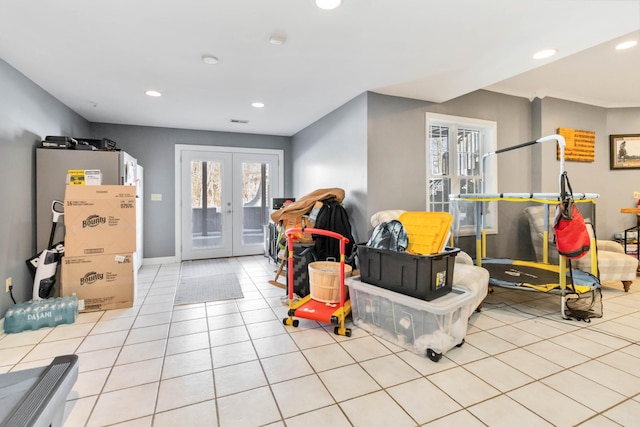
533 276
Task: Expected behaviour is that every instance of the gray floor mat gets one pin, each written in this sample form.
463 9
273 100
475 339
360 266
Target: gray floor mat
206 267
216 287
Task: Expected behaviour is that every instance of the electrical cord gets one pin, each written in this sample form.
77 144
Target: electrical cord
11 294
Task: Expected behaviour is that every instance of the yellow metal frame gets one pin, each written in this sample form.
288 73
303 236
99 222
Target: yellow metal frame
481 243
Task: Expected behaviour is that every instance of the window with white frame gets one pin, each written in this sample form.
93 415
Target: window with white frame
455 150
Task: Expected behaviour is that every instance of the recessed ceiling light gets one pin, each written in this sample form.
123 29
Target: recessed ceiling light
328 4
209 59
153 93
626 45
257 104
277 38
546 53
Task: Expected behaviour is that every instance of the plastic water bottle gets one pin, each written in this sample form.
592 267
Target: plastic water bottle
69 309
14 320
30 314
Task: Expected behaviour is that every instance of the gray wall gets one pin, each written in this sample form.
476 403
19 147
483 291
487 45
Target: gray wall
397 153
27 115
332 152
614 187
396 149
622 183
154 148
536 150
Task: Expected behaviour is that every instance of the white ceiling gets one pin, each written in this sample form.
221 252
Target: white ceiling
99 57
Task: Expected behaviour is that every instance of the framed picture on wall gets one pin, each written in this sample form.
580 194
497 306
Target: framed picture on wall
625 151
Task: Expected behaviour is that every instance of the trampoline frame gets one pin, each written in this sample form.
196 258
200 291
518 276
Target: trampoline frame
479 199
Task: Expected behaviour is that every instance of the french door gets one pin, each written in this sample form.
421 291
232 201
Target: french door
224 200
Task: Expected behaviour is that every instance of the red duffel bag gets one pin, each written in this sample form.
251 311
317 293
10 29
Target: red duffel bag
572 237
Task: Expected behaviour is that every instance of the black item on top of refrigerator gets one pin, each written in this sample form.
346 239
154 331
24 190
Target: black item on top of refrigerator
100 144
59 142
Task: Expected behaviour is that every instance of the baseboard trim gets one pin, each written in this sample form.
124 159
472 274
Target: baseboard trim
160 260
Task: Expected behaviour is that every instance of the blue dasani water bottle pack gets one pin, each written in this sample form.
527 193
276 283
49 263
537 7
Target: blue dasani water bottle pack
33 315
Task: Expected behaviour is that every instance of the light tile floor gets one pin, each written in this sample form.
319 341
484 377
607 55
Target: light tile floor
234 363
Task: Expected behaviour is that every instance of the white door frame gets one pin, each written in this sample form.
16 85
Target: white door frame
179 148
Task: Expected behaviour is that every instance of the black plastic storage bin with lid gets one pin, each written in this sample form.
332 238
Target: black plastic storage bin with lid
425 277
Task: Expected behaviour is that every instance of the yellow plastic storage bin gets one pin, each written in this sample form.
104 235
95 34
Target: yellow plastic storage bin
427 232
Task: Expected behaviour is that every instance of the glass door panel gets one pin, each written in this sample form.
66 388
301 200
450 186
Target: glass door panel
206 208
253 183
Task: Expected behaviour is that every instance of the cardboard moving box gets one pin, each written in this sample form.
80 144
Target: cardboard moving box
104 282
99 219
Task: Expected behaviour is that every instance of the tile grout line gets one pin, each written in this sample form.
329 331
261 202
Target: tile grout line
91 412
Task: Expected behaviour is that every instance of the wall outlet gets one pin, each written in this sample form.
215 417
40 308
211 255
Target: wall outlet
7 284
636 195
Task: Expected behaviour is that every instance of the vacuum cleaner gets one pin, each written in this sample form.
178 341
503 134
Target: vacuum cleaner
43 311
45 265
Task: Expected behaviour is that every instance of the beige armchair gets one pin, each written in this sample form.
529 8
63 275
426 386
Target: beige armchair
613 264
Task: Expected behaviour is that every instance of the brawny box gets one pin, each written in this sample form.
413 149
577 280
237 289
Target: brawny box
102 282
99 219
